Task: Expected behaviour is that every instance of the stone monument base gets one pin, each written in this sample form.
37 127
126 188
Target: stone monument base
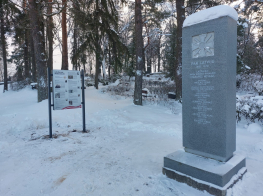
202 173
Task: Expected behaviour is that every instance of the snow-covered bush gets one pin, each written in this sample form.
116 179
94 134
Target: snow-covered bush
246 82
15 86
258 85
120 87
114 77
251 108
159 89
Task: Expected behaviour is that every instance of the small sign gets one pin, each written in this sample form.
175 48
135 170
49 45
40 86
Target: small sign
66 89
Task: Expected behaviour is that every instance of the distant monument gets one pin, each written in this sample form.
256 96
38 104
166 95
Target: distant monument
209 103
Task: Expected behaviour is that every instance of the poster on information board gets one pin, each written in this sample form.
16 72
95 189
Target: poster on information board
66 89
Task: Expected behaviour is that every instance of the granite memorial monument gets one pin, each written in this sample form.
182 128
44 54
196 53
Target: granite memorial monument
209 103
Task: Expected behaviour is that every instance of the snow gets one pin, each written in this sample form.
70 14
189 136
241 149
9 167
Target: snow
254 128
139 59
247 67
246 108
116 83
259 86
122 153
34 83
138 72
210 14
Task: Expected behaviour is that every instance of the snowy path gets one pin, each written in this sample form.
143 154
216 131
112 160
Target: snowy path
121 155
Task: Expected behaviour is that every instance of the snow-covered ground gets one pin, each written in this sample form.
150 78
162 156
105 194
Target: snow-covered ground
122 154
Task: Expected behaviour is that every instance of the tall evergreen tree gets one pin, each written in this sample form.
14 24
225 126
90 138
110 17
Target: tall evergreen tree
139 53
180 10
8 12
38 39
26 44
64 37
50 26
3 41
170 50
97 19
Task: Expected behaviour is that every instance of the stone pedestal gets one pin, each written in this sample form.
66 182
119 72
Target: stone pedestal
204 173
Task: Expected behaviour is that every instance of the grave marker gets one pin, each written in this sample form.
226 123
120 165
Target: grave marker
209 101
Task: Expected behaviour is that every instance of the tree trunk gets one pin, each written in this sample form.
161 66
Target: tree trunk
38 37
74 61
3 41
26 46
64 37
149 65
159 53
178 62
139 53
97 66
34 66
27 75
103 67
144 66
50 27
109 63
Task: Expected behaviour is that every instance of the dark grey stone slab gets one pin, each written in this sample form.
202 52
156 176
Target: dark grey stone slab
205 169
209 88
213 190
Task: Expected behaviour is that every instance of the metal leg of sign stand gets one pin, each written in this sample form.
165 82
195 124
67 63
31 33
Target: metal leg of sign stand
49 103
83 100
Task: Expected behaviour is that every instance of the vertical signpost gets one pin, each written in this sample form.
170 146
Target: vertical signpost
83 101
49 103
66 89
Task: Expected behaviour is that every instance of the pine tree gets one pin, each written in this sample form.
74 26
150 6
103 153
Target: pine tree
38 39
64 37
180 10
3 42
96 19
139 53
50 26
26 44
8 12
170 50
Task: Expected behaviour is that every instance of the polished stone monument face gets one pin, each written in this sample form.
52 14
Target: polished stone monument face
209 88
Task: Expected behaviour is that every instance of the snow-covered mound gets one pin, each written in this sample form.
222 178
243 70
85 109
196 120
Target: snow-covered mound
254 128
210 14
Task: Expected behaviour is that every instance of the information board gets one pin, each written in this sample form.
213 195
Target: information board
66 89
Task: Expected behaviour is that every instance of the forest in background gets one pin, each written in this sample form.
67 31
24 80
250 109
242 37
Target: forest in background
115 37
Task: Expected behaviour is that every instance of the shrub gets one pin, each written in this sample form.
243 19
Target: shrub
251 108
15 86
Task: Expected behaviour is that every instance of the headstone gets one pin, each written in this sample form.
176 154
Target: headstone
209 98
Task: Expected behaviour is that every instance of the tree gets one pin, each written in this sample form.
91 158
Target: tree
96 20
139 53
38 37
3 42
26 44
50 26
8 12
249 58
64 37
180 9
170 50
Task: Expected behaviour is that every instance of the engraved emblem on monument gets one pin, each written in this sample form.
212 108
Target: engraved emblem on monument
203 45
